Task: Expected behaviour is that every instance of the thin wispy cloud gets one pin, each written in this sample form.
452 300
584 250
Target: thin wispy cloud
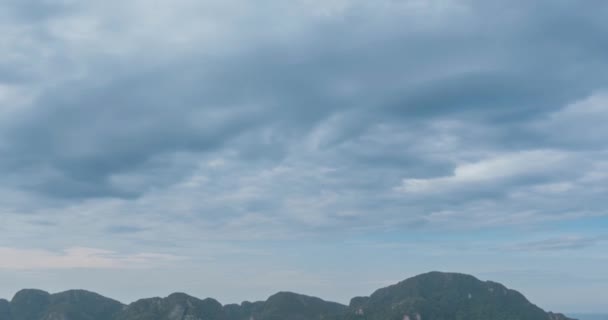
79 258
558 244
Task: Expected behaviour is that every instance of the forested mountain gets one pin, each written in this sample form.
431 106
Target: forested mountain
430 296
446 296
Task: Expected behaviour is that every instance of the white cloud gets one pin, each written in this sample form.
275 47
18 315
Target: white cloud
13 97
558 187
489 170
579 124
591 107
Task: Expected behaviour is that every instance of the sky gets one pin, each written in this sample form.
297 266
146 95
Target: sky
233 149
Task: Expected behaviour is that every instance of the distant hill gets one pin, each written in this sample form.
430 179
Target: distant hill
33 304
176 306
5 310
430 296
453 296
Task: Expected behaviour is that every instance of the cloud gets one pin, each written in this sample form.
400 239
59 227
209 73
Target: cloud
79 257
580 124
186 124
558 244
492 170
202 91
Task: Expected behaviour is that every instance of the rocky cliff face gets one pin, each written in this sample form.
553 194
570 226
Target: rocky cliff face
430 296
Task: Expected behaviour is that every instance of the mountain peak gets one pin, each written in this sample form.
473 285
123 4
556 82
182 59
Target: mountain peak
34 304
288 295
444 295
29 304
5 310
79 295
180 296
26 294
429 296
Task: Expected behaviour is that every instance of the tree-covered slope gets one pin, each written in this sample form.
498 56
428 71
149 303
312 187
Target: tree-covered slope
74 304
445 296
177 306
430 296
82 305
29 304
292 306
5 311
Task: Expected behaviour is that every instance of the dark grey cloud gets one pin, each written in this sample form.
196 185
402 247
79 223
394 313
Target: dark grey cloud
196 137
377 96
123 229
35 11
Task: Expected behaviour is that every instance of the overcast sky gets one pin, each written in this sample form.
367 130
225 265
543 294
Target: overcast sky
233 148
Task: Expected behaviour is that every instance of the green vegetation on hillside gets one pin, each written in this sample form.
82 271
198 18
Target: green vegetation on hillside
430 296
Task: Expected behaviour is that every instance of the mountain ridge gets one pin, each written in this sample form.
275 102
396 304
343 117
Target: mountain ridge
429 296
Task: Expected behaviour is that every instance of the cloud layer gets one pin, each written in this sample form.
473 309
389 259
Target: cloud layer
220 129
